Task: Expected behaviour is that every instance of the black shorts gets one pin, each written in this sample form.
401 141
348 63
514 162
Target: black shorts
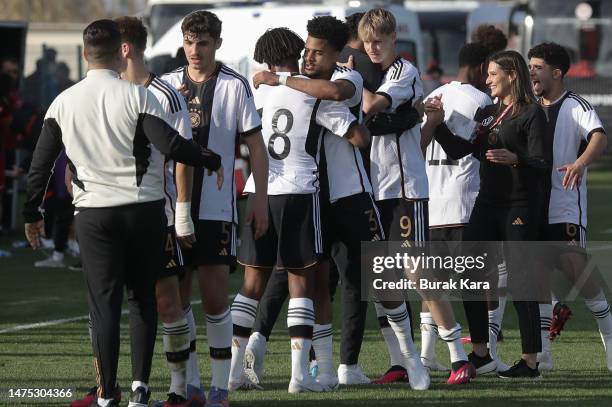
405 220
293 239
574 235
447 234
173 257
356 219
215 244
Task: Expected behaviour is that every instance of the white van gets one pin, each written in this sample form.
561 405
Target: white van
243 25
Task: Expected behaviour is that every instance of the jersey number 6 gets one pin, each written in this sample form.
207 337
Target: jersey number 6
280 134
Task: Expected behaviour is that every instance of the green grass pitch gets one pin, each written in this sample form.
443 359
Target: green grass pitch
59 355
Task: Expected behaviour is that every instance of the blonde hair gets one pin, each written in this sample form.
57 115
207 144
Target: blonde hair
376 21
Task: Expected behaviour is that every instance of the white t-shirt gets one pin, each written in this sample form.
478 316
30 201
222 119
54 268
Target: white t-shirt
454 184
292 125
571 121
346 172
220 109
397 166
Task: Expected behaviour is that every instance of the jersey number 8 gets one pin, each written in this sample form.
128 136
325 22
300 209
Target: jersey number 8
280 134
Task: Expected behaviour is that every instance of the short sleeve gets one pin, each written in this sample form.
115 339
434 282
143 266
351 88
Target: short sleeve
183 122
401 84
353 77
248 119
335 117
588 121
149 104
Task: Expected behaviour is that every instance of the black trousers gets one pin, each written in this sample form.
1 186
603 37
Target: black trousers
490 223
59 213
122 246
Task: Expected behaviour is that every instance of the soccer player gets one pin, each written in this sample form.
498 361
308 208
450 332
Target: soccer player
353 216
221 106
398 175
294 201
576 139
453 187
118 195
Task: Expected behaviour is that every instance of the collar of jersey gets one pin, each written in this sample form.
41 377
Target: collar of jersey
102 72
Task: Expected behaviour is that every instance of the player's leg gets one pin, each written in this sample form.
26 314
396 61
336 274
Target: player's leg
322 337
270 306
103 254
146 235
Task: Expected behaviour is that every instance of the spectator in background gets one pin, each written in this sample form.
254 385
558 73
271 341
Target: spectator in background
40 88
10 66
62 77
491 37
434 78
59 213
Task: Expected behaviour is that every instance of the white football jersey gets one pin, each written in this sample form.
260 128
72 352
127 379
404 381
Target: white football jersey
346 172
454 184
220 109
397 166
292 125
175 109
571 121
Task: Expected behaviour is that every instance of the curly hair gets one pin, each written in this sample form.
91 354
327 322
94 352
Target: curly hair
553 54
277 46
473 54
329 28
491 37
201 22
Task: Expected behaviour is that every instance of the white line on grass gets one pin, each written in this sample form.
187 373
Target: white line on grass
67 320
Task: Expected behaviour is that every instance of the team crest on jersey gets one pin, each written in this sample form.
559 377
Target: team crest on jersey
194 116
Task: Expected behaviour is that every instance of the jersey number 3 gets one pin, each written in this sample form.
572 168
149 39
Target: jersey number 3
282 134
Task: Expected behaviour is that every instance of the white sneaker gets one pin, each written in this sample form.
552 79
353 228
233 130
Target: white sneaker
351 374
47 243
50 262
307 385
433 365
73 248
244 384
545 361
250 369
608 348
330 381
417 374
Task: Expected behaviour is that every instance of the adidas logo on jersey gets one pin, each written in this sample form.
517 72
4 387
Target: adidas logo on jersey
518 222
195 100
223 252
171 264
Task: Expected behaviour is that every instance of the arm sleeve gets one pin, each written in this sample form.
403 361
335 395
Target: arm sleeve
535 127
249 121
335 117
455 147
402 84
170 143
588 122
47 150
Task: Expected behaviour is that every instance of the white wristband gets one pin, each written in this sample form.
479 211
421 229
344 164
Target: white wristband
182 219
282 80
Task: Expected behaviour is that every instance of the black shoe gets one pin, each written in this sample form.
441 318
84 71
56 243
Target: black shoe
76 267
483 364
139 398
520 370
175 400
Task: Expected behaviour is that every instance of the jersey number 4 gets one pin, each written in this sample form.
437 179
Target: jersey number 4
282 134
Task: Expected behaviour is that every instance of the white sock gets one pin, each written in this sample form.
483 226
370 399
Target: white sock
429 336
555 300
244 311
400 323
300 321
601 311
193 371
258 345
58 256
452 337
546 313
219 332
395 353
104 402
136 384
322 342
176 346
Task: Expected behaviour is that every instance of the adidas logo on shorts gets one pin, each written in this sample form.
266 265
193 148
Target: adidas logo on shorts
518 222
171 264
223 252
